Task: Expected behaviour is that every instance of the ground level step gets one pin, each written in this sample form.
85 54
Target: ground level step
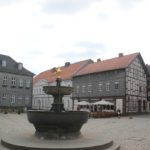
114 147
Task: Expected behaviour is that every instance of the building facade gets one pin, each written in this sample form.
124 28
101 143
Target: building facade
44 101
15 85
121 80
148 88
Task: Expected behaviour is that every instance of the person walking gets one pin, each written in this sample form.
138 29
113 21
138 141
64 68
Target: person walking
119 113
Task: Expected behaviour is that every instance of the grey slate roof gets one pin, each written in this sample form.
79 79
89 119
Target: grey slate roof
12 66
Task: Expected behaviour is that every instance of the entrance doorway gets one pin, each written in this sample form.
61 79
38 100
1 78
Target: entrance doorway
139 106
119 105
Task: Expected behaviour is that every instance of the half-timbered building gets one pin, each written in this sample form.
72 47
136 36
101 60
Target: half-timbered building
121 80
148 88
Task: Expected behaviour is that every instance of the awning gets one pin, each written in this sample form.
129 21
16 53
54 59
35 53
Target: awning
103 102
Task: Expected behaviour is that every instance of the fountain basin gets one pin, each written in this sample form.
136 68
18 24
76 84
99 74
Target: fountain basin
57 124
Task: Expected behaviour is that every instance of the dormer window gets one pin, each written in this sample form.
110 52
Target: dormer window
4 63
20 66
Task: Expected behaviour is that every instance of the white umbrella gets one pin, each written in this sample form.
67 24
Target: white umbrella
83 103
103 102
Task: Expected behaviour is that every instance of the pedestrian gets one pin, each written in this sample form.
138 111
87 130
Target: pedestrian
119 113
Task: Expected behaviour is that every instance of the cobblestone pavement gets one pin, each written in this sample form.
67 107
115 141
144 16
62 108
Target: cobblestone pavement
130 134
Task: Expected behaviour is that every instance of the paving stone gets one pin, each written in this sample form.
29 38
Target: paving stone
130 134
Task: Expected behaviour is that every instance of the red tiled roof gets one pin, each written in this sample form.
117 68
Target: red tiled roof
109 64
66 72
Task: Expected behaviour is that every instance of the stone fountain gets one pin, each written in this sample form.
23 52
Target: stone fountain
57 123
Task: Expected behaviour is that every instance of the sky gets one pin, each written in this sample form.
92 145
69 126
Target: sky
43 34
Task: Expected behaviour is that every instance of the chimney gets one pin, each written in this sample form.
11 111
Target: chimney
98 60
120 55
67 64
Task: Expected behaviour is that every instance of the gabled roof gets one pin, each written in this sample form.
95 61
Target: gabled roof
12 66
109 64
67 72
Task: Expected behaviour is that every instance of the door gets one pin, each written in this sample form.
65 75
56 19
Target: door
139 106
119 105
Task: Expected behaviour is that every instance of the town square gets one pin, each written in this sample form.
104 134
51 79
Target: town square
74 75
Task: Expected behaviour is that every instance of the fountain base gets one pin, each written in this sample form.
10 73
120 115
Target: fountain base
26 141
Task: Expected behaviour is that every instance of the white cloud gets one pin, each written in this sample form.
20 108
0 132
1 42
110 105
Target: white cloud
31 35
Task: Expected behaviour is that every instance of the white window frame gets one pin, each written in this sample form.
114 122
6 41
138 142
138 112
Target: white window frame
4 96
83 88
4 63
12 99
116 85
27 98
100 86
89 87
28 84
77 89
108 86
5 80
20 97
20 82
13 81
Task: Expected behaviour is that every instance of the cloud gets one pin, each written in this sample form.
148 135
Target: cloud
47 26
72 30
128 4
74 56
65 6
89 45
4 3
103 16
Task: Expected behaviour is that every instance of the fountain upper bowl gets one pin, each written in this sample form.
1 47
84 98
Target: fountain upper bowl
53 90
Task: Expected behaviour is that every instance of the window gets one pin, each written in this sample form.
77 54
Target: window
77 89
5 81
4 63
83 88
107 86
27 100
140 89
20 83
12 99
116 85
90 87
4 97
144 105
20 100
13 82
20 66
27 84
100 86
